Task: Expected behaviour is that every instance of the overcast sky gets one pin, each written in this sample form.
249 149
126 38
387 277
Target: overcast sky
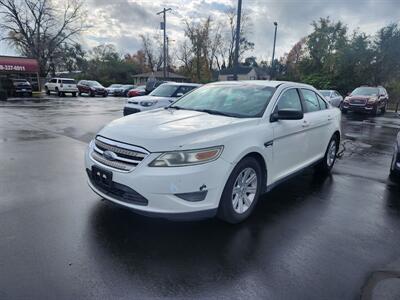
121 21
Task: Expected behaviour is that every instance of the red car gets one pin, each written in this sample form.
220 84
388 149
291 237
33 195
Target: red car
92 88
139 91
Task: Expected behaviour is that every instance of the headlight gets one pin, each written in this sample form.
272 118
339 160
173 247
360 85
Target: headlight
372 100
187 157
147 103
347 99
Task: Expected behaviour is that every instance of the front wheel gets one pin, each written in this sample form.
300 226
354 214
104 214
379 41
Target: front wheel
73 94
326 165
241 191
383 109
47 90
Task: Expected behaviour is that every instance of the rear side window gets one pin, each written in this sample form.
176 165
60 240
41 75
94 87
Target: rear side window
310 100
290 99
182 90
68 81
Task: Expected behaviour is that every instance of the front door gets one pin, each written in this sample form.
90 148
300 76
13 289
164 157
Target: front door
289 138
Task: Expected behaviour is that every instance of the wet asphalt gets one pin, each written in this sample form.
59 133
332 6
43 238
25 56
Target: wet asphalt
310 238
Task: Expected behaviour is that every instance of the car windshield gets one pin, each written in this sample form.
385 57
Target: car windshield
165 90
325 93
94 83
365 91
242 101
68 81
115 86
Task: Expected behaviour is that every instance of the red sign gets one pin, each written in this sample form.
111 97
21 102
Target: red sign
18 65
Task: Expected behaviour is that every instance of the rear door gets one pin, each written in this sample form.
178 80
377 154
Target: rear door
317 119
289 138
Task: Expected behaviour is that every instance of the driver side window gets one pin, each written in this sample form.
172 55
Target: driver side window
290 99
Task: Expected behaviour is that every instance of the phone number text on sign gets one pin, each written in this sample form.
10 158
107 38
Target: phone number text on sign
11 68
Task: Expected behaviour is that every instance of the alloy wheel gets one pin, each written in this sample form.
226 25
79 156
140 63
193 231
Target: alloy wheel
331 156
244 190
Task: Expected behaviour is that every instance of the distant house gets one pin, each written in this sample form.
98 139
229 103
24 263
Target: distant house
244 73
158 75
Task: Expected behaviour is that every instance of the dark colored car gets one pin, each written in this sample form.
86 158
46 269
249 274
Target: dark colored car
395 166
138 91
126 89
92 88
367 99
22 87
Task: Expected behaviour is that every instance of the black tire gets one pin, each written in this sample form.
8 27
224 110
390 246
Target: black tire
105 95
383 109
47 90
226 209
344 110
325 167
92 94
374 111
73 94
79 94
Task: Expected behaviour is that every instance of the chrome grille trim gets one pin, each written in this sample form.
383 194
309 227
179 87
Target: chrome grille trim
110 163
127 157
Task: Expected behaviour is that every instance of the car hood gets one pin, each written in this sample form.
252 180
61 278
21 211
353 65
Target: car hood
168 129
153 98
360 97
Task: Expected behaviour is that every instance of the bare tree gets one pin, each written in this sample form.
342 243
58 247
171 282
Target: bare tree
152 49
226 51
37 28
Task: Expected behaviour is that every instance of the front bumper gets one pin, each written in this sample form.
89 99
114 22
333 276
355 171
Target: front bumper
158 187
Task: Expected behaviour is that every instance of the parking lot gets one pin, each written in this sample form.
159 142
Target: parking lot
310 238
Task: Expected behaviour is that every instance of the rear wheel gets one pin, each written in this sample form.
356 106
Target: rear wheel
47 90
326 165
241 191
73 94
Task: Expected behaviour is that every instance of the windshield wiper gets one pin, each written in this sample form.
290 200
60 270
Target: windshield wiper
216 112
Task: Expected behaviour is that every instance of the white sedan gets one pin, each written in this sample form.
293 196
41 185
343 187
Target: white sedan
162 96
215 150
333 97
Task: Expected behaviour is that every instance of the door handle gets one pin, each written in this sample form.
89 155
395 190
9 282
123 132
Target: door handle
305 124
330 118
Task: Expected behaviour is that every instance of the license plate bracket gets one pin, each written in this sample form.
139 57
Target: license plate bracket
101 176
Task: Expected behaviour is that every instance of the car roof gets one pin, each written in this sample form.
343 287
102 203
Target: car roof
63 78
265 83
182 83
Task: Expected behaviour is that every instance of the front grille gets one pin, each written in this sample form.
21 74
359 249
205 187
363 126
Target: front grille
358 101
124 157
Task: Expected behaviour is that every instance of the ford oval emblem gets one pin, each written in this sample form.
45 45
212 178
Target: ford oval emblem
110 155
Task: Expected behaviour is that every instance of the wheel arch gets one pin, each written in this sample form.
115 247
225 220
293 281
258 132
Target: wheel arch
260 159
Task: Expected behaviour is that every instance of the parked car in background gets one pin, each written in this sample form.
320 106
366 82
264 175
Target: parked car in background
126 89
138 91
215 150
115 90
162 96
395 165
61 86
92 88
22 87
367 99
333 97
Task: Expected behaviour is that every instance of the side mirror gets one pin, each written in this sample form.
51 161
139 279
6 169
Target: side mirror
179 95
287 114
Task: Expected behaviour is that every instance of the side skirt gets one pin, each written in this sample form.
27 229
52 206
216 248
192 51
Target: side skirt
290 176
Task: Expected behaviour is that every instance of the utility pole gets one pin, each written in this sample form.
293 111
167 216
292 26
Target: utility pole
237 44
164 27
273 51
